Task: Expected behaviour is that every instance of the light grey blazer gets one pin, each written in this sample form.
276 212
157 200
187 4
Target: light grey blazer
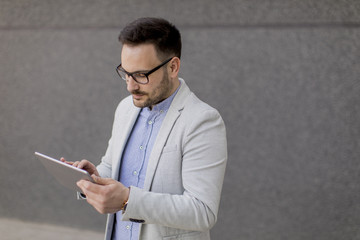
185 173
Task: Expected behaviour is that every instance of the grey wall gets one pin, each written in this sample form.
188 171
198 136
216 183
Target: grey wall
283 74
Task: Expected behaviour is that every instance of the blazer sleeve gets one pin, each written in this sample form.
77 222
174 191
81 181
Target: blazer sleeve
204 157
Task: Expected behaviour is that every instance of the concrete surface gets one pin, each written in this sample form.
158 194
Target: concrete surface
11 229
284 74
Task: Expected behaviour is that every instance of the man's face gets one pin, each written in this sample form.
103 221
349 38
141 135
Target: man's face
143 58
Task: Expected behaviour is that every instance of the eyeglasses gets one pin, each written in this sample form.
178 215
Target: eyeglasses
139 76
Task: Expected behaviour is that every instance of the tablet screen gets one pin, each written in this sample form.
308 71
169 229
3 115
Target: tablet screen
64 173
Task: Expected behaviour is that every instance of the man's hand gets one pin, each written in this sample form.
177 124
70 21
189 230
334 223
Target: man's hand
106 196
83 164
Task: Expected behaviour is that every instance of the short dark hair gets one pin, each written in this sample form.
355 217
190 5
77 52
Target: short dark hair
164 35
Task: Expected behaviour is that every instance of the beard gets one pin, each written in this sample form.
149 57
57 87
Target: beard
159 94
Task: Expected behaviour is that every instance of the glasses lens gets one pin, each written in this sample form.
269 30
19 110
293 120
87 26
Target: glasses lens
137 77
140 77
121 74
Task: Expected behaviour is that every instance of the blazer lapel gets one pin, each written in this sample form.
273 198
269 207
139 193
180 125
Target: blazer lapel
161 138
172 115
124 129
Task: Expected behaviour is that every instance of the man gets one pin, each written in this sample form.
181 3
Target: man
162 174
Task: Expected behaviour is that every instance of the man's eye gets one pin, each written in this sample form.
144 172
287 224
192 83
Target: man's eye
139 75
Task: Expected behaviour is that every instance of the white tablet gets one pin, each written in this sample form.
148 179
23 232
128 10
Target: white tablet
64 173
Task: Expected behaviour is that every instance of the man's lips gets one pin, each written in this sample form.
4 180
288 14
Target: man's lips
137 95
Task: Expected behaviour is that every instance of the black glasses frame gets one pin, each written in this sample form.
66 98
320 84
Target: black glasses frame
120 70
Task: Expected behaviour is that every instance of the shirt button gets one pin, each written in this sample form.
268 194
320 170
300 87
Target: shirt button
135 173
141 147
127 227
150 122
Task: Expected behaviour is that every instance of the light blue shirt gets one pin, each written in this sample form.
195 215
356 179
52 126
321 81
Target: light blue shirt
135 159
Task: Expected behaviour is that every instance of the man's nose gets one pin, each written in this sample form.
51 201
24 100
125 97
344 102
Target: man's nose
131 84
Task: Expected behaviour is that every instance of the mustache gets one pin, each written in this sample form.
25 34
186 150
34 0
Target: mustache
138 92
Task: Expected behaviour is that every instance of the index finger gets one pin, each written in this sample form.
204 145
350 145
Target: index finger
83 164
67 162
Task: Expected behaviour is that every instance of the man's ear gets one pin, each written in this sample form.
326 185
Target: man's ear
174 67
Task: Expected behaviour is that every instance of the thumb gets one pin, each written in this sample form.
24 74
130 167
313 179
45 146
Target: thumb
102 181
